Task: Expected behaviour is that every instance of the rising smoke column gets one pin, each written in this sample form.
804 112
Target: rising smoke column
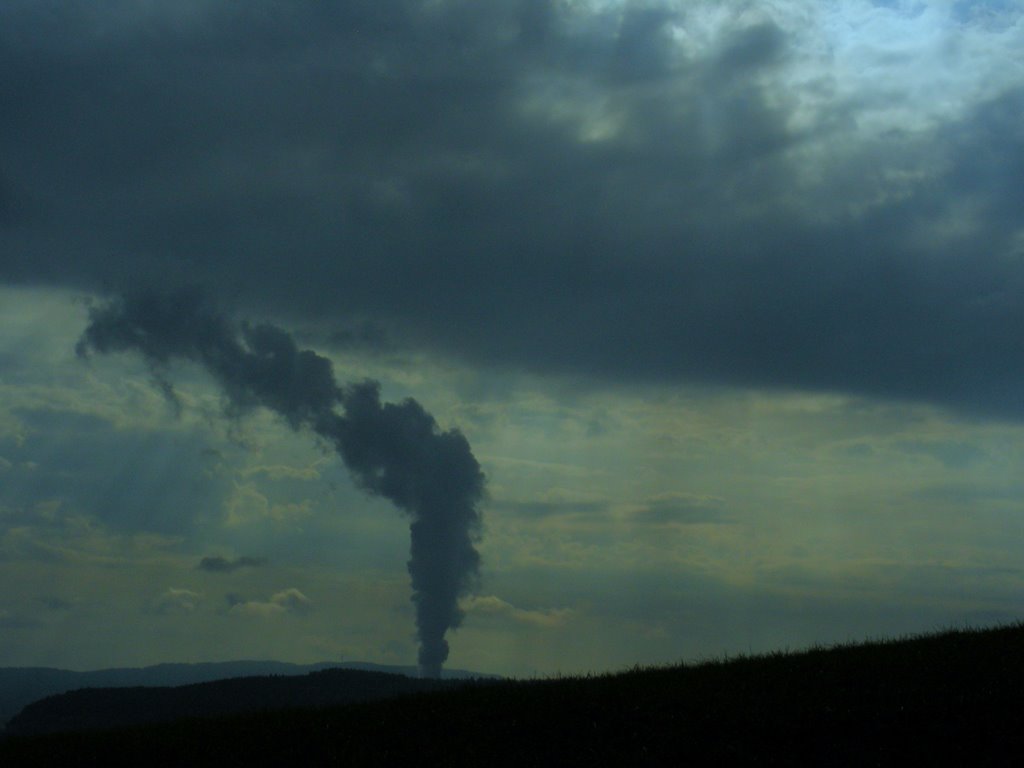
391 450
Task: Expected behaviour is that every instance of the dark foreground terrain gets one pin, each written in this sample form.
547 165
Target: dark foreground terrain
952 699
20 686
92 709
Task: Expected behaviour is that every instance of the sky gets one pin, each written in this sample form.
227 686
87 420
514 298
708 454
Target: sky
724 299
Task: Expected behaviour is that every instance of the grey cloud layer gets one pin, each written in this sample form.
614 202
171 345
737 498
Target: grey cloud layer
515 184
129 480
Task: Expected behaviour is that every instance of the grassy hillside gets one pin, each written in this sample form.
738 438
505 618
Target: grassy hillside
953 698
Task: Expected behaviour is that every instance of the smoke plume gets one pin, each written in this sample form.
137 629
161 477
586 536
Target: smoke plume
391 450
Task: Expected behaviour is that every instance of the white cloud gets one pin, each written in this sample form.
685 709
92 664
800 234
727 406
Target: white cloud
492 605
177 600
286 602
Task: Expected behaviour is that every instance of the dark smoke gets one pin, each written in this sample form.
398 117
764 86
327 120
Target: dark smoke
392 450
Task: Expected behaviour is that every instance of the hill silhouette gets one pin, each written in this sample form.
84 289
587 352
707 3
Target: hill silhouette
106 708
20 686
955 698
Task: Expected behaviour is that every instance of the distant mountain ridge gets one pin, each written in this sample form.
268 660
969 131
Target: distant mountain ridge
20 686
107 708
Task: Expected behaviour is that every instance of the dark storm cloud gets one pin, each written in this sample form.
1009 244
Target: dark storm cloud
362 335
750 49
505 183
217 564
643 46
8 202
392 450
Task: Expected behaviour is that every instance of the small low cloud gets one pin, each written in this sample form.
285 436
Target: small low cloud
968 494
544 509
176 600
283 472
679 509
952 454
54 603
555 502
493 605
225 565
286 602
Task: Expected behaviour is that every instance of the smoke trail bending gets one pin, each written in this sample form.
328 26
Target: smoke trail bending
391 450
